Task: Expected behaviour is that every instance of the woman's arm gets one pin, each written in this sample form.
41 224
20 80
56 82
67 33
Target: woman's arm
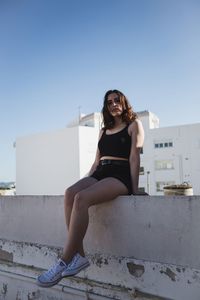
97 157
137 139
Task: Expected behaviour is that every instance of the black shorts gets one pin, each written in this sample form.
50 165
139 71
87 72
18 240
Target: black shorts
116 169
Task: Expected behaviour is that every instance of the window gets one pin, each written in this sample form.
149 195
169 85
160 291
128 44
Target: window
141 189
164 144
161 184
164 164
141 170
141 150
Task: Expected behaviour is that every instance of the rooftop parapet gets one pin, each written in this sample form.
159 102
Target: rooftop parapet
139 247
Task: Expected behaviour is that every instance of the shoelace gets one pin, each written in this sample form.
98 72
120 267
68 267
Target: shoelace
73 262
51 273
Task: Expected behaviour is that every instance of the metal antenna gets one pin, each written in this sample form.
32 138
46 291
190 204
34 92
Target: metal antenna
79 114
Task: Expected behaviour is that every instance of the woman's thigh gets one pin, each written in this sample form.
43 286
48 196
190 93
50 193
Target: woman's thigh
104 190
81 185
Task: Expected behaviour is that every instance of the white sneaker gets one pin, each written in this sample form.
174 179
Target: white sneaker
77 264
53 275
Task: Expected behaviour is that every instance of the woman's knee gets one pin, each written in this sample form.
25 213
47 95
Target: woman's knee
80 201
69 196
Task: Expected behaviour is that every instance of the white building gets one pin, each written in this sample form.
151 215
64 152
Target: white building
171 155
49 162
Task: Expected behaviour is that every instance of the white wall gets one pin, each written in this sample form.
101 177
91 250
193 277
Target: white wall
88 139
47 162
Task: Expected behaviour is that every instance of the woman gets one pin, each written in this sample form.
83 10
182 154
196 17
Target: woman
116 165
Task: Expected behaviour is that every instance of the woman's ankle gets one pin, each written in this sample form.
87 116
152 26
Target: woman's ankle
82 253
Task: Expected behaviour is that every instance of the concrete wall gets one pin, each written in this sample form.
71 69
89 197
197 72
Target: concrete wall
47 163
88 139
150 228
185 155
145 245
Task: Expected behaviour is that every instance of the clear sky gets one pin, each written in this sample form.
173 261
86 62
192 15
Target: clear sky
57 55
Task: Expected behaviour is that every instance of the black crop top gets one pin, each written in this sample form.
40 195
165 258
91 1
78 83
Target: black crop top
117 144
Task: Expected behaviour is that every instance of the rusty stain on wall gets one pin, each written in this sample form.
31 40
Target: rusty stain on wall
135 270
99 260
142 295
4 289
34 295
169 273
5 255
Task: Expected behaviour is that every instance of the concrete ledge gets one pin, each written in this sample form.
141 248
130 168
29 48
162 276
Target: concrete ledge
16 286
160 229
18 282
139 247
108 276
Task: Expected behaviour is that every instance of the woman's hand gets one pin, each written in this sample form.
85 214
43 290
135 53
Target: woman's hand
140 193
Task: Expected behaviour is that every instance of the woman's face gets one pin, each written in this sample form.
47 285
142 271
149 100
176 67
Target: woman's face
114 105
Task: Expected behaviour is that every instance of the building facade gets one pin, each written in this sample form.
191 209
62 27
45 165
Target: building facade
47 163
171 155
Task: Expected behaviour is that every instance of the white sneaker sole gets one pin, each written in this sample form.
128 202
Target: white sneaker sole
64 274
48 284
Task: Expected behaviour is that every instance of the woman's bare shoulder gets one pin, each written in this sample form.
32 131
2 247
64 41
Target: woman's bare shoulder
101 132
135 125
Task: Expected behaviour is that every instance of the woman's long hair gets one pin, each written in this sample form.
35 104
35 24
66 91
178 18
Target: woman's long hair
128 115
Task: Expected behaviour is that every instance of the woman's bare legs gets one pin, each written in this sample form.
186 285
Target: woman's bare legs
69 201
99 192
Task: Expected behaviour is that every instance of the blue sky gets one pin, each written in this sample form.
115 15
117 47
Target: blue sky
58 55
